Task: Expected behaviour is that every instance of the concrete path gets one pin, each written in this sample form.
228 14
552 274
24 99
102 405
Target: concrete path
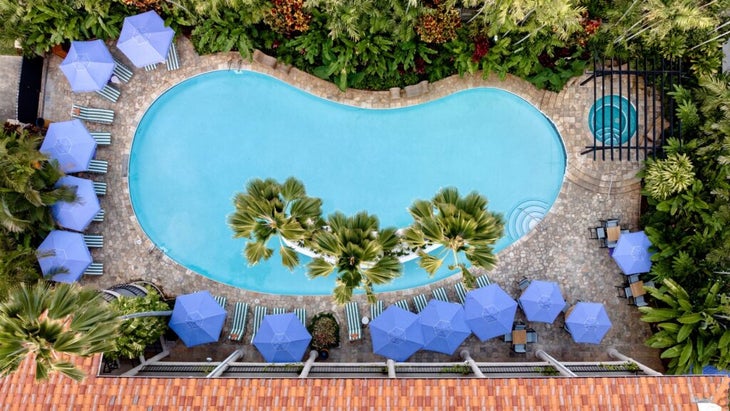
9 81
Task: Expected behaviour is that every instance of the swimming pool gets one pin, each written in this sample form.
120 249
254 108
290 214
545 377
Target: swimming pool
201 141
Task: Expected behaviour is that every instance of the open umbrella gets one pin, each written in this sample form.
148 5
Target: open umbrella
542 301
76 215
197 318
64 255
282 338
71 144
588 322
144 39
444 326
396 334
88 66
632 253
490 312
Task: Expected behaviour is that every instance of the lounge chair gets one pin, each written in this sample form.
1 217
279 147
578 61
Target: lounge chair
376 309
403 304
279 310
95 269
95 115
123 73
173 60
94 240
98 166
483 281
440 294
100 188
519 348
258 315
302 314
523 283
420 302
353 321
221 300
239 321
460 292
110 93
638 301
99 217
103 138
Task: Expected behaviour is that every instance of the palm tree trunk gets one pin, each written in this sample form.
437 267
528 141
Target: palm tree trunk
146 314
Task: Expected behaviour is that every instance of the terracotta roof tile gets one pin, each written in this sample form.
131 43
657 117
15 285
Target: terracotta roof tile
20 392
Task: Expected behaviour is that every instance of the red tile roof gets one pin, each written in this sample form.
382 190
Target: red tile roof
20 392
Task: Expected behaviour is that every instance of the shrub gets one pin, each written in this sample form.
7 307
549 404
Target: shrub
137 333
325 331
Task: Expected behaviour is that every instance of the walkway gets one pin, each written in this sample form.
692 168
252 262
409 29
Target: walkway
558 249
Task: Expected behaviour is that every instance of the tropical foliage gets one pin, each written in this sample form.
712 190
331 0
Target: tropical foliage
136 334
48 325
325 331
462 225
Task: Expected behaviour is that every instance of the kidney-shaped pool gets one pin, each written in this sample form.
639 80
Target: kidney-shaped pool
202 140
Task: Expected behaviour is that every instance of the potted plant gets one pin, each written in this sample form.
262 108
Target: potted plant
325 333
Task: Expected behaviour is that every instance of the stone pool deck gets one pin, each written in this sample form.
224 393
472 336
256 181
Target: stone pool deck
557 249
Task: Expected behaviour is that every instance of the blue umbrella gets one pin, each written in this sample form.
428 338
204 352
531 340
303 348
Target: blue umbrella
542 301
197 318
282 338
64 255
632 253
71 144
396 334
144 39
444 326
490 312
88 66
588 322
76 215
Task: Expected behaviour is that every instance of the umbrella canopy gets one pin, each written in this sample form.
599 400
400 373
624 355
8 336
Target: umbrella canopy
78 214
197 318
396 334
632 253
542 301
282 338
63 251
144 39
88 66
588 322
444 326
489 311
71 144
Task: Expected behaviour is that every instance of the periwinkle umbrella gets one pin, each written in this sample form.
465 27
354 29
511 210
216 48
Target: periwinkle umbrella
197 318
282 338
71 144
490 312
588 322
88 66
542 301
632 253
396 334
444 326
63 255
76 215
144 39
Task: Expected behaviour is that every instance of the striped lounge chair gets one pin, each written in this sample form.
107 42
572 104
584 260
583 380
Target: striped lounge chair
221 300
103 138
376 309
98 166
100 188
279 310
440 294
173 60
301 313
110 93
95 115
238 328
94 240
99 217
123 73
483 281
460 292
95 269
353 321
420 302
258 315
403 304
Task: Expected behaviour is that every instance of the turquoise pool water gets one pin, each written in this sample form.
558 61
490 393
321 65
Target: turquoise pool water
202 140
612 119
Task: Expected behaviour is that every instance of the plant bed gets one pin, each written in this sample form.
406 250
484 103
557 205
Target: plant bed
325 331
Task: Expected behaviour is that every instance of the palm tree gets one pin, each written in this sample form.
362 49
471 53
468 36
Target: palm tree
461 226
49 323
268 209
359 251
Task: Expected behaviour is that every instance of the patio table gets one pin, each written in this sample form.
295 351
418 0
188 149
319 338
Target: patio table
519 337
637 289
613 233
